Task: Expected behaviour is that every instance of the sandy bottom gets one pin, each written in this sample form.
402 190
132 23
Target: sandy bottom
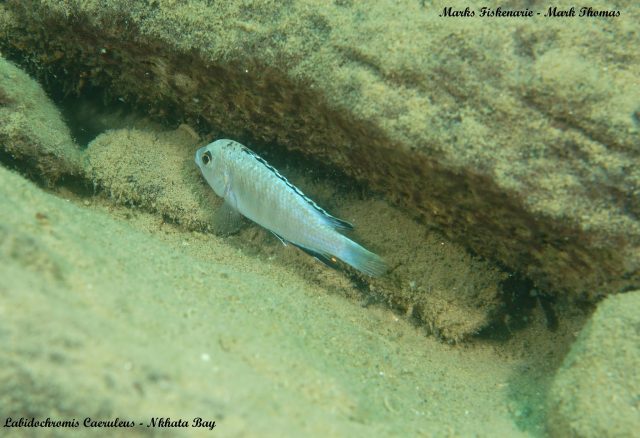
108 312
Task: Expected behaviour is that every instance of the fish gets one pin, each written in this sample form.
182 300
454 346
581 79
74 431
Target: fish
253 188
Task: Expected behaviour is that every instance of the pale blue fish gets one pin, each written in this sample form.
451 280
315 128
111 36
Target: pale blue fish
250 186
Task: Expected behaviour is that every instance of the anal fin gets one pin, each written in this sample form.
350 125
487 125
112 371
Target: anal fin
329 261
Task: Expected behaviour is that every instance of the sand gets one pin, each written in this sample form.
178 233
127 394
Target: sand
109 312
118 301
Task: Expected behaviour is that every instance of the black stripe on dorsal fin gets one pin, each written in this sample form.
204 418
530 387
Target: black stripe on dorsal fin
331 220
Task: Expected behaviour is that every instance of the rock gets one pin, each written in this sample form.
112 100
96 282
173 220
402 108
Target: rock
154 170
596 392
433 281
517 145
31 128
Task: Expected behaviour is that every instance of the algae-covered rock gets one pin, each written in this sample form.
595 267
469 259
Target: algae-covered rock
154 170
515 137
596 392
32 129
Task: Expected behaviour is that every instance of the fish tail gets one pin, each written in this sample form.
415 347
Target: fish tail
362 259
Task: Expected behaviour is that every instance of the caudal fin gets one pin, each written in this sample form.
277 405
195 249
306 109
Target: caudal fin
362 259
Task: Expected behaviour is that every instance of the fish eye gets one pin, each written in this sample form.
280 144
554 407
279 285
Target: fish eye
206 158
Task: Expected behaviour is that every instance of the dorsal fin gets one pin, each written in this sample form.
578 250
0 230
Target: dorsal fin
331 220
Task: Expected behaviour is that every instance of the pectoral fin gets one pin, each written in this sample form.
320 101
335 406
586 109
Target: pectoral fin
227 219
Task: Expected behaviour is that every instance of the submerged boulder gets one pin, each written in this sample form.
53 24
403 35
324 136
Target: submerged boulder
596 392
31 128
517 141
